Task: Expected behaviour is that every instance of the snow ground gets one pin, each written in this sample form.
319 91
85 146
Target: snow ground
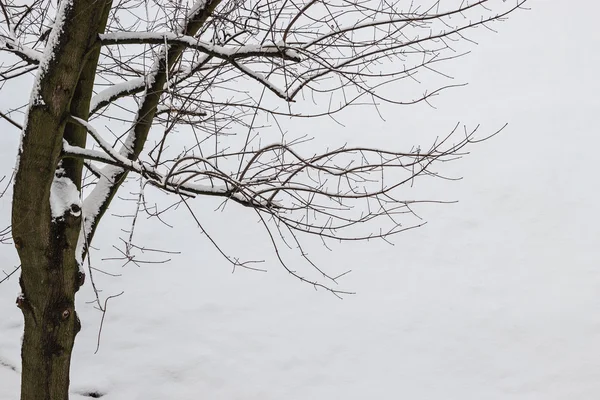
497 297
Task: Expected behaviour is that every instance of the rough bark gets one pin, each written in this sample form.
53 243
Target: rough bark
46 246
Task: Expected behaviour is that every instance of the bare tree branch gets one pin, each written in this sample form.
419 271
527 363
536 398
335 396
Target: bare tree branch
200 99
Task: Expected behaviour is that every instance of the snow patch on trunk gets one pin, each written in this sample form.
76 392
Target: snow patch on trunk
64 196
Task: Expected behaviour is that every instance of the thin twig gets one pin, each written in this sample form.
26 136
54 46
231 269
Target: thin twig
103 309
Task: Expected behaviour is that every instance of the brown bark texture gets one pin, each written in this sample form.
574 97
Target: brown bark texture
46 246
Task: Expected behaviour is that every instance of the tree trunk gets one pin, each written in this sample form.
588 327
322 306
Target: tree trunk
49 282
47 243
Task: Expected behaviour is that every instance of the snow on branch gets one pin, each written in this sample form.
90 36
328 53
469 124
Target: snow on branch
198 77
104 145
278 180
297 52
223 52
344 194
115 92
177 179
27 54
257 76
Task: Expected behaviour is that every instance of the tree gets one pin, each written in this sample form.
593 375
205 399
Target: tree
212 70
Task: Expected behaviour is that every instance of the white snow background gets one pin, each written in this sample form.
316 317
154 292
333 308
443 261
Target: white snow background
497 297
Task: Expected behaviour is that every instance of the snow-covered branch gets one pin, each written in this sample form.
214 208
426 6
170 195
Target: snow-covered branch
257 76
276 178
26 54
188 76
223 52
115 92
104 145
175 179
